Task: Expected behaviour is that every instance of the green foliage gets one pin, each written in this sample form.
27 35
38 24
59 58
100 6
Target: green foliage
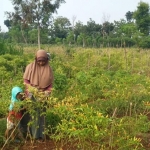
2 126
60 29
145 42
85 126
33 36
52 120
99 100
142 17
2 130
69 51
143 124
60 85
44 9
122 33
4 109
9 49
129 16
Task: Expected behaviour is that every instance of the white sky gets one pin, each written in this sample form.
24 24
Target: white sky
83 10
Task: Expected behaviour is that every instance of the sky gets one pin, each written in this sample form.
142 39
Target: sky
82 10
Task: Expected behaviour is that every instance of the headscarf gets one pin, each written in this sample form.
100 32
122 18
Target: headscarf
14 92
39 76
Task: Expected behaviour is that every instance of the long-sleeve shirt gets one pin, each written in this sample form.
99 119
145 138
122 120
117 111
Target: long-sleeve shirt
47 89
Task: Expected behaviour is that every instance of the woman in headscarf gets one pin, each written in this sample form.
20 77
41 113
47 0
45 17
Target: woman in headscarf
39 75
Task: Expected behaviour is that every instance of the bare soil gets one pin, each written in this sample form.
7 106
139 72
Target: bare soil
50 145
46 145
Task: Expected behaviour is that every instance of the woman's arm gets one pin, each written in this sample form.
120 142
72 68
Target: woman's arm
27 84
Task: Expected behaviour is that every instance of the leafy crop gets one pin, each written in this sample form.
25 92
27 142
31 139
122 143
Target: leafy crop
100 97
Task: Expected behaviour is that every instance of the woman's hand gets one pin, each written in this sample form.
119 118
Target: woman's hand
30 95
46 93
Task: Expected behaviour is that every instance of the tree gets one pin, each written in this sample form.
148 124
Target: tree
107 27
142 17
61 27
7 23
36 13
78 28
73 23
129 29
92 28
80 31
117 32
15 34
70 38
129 16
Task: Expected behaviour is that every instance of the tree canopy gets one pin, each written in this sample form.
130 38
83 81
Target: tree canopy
34 21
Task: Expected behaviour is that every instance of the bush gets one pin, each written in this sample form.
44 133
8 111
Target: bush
52 120
2 130
145 42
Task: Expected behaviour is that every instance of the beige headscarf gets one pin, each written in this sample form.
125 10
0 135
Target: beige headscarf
39 76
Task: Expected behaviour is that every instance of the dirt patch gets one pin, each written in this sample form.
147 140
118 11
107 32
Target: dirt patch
145 140
46 145
51 145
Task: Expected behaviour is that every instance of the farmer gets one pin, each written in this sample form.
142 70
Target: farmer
15 113
38 75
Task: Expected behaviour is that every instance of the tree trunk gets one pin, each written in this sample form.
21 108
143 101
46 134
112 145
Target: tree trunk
83 43
39 46
23 35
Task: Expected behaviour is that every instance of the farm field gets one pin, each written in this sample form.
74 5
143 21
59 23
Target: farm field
100 99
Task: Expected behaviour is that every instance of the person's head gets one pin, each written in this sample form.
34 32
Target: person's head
17 93
20 96
41 57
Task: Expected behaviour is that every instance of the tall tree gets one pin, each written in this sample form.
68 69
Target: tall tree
129 16
62 26
80 31
107 27
128 29
78 28
7 23
142 17
92 28
36 13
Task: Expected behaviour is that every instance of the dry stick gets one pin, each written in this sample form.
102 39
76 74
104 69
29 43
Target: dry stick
132 62
114 113
11 133
126 113
130 108
23 34
141 58
88 63
111 129
130 113
28 135
108 59
147 58
125 52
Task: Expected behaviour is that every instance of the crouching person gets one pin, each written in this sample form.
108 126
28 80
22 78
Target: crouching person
14 129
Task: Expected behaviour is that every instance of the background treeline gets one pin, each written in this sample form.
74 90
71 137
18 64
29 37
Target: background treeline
29 26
